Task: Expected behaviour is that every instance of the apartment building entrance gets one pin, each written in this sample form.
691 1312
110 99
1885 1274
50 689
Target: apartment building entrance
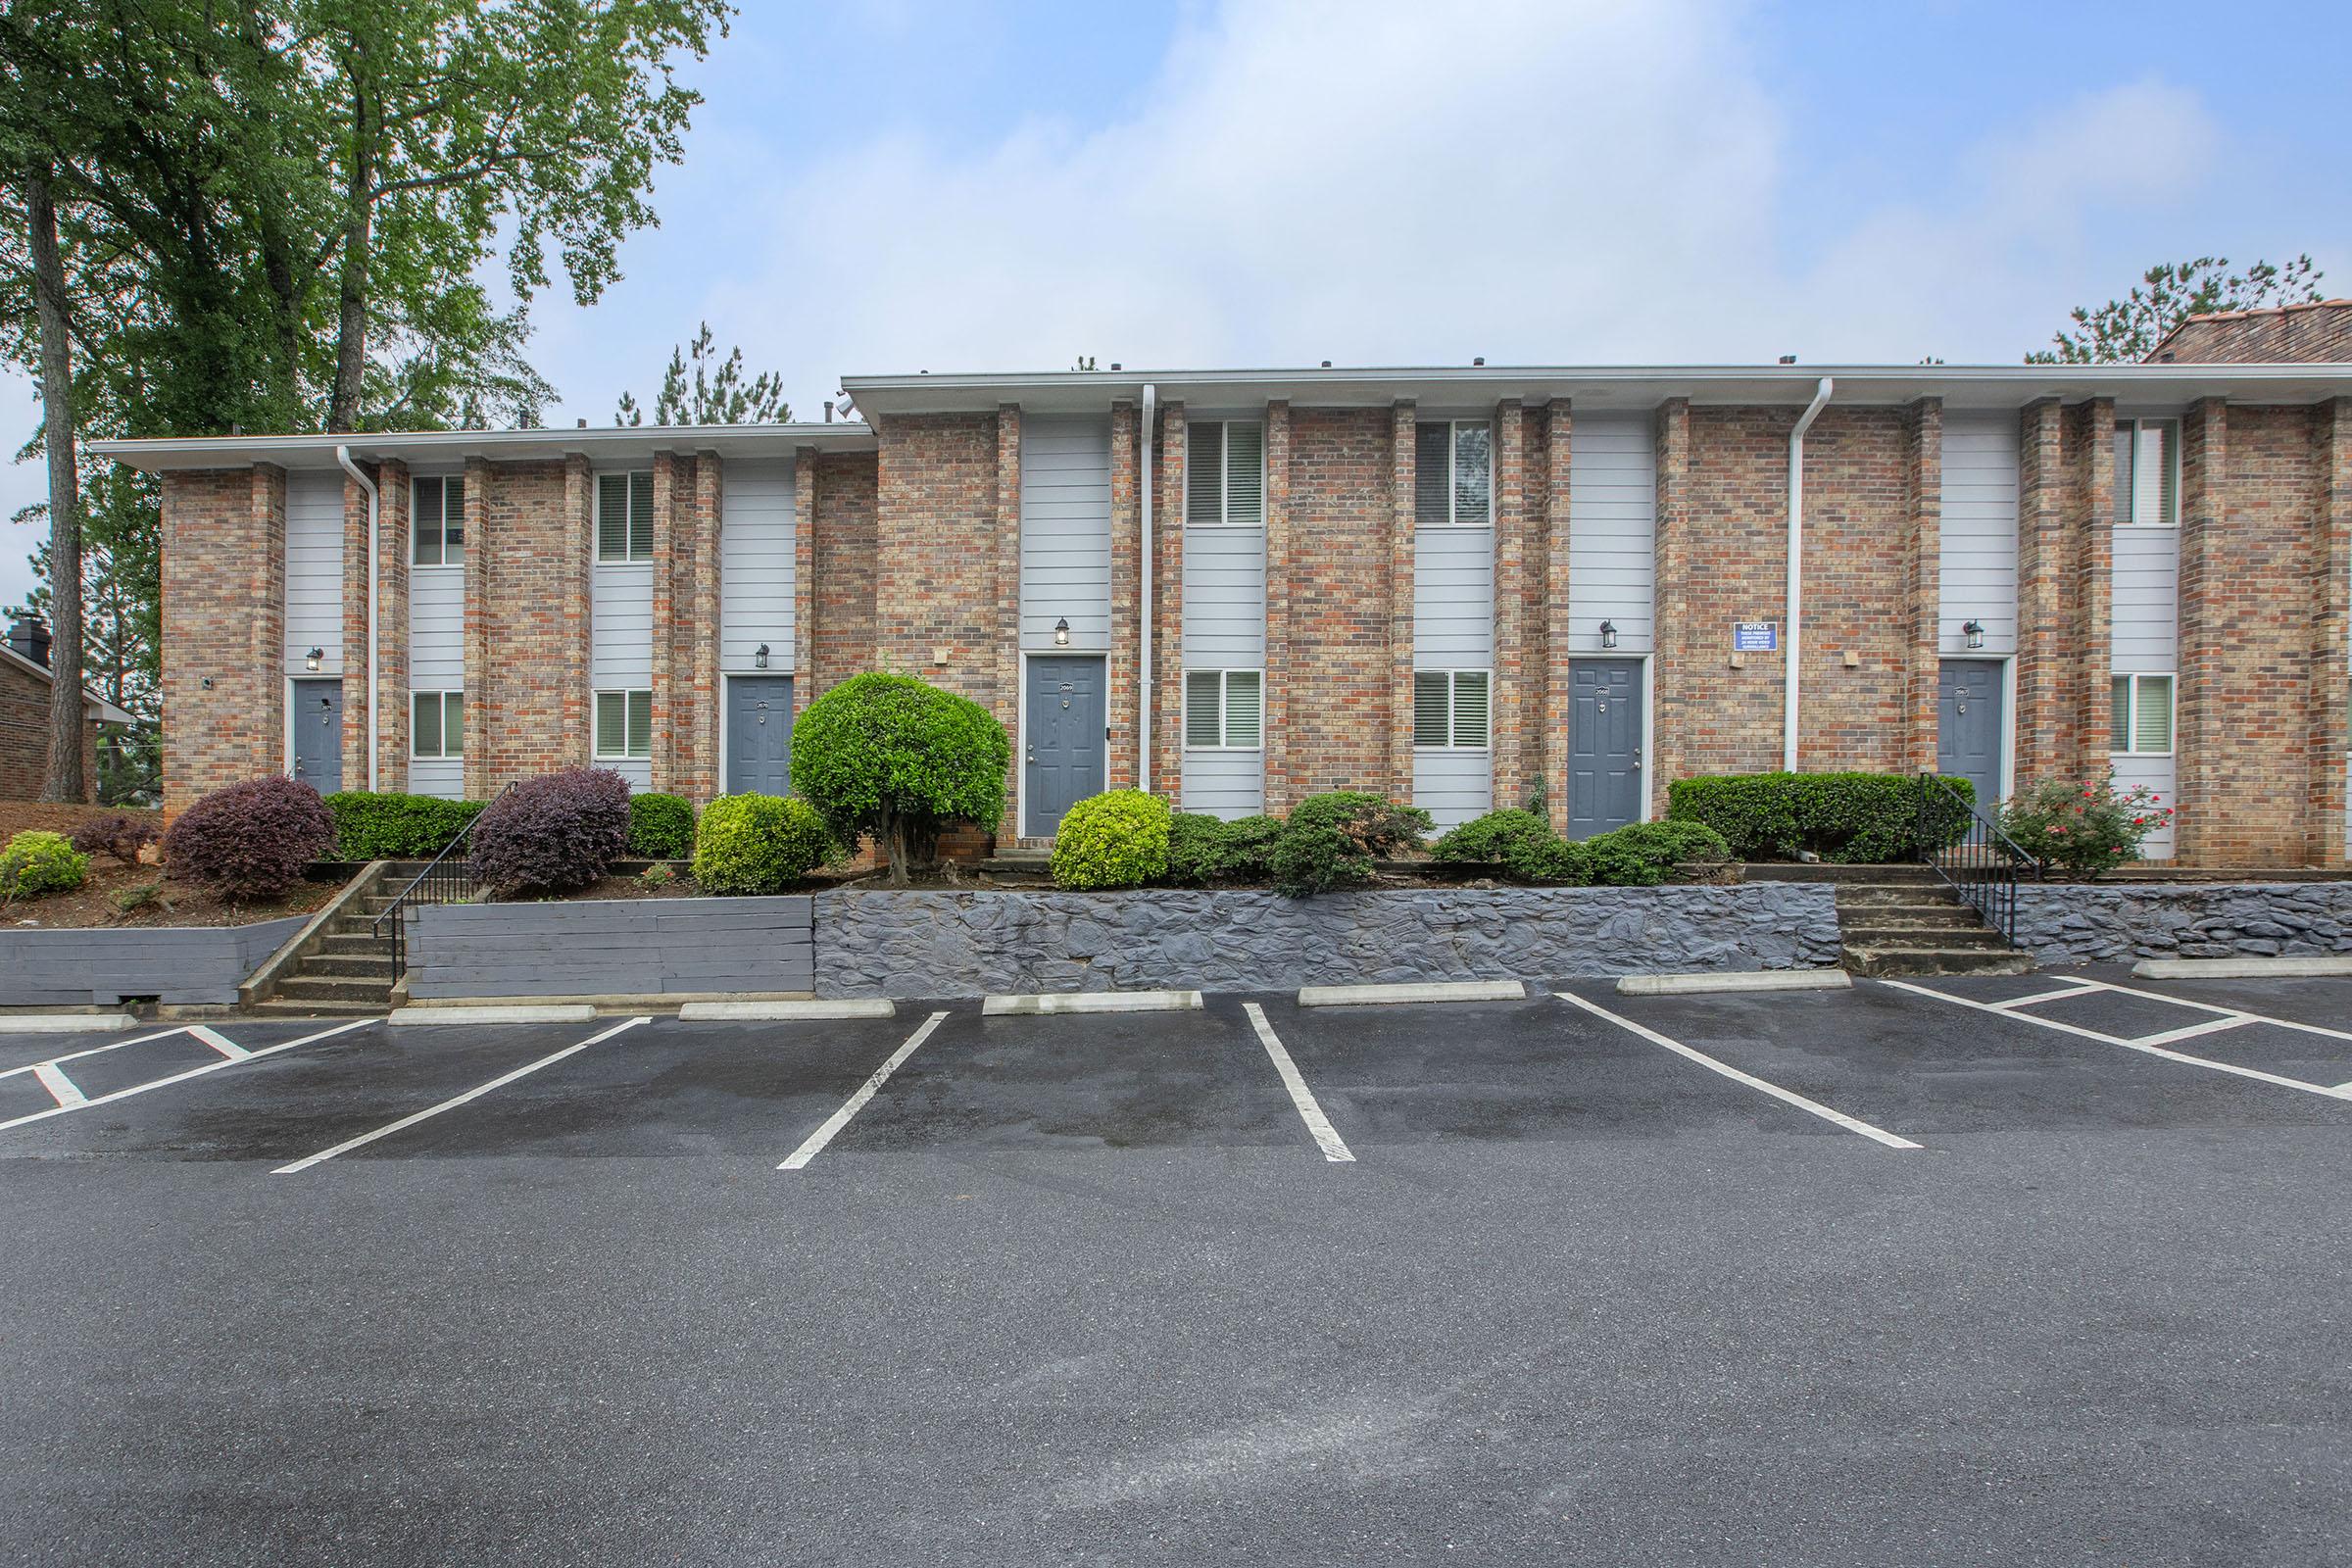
1604 744
1062 760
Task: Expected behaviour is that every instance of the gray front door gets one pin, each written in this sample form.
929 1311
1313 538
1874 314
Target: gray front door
1604 744
1065 763
760 735
318 734
1968 724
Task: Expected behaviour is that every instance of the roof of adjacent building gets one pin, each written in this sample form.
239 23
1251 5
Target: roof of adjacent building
2317 332
103 710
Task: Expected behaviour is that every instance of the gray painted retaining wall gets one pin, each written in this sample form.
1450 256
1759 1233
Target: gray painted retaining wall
966 944
2076 924
610 946
181 964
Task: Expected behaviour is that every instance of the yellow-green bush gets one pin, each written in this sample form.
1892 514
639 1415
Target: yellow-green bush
38 862
759 844
1114 840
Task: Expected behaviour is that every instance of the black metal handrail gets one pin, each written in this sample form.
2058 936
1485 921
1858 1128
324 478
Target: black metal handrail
442 881
1982 864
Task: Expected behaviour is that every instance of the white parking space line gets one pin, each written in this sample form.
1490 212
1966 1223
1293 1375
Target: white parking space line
814 1144
183 1077
1335 1147
93 1051
2232 1012
455 1101
2040 997
1791 1097
2255 1073
219 1042
2211 1026
62 1089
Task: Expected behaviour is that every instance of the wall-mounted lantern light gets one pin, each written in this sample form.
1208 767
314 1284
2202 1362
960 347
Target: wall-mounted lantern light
1608 634
1061 632
1974 631
759 656
312 659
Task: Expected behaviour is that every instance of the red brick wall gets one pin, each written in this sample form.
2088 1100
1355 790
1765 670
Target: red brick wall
533 552
1281 667
1513 706
1120 709
2330 644
1167 598
1923 585
1558 422
1340 731
935 550
1859 518
24 737
842 565
223 618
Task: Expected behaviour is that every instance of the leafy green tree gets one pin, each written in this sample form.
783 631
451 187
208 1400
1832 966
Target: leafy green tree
2168 294
721 397
896 758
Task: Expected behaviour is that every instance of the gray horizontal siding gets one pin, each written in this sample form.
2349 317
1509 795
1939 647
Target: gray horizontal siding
2146 596
1978 531
443 776
2158 773
315 569
1453 786
171 963
755 564
1065 531
1226 784
1612 530
621 632
1225 597
1453 598
617 947
437 628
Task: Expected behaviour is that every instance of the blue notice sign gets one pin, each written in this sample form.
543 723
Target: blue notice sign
1755 636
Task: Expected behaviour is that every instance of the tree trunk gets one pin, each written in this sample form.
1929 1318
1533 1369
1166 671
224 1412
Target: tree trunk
893 846
64 780
351 323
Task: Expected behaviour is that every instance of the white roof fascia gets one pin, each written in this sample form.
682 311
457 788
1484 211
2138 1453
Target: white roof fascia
108 713
624 444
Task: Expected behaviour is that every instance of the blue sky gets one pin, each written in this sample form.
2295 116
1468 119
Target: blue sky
890 185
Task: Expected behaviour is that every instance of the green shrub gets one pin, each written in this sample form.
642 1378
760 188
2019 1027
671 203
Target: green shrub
38 862
1202 850
1646 854
759 844
894 757
371 826
250 840
2088 827
660 827
1521 843
657 875
1118 839
1330 841
1853 819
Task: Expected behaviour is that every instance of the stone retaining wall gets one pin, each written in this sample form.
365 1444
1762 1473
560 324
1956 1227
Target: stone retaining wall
610 946
880 944
177 964
2083 923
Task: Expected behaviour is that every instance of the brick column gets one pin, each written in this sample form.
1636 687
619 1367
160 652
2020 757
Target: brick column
223 642
391 630
2090 518
1277 691
265 622
2331 569
2044 727
1509 700
354 633
804 579
703 630
1126 586
481 678
1923 580
1679 694
1005 585
575 562
1167 625
2203 705
1558 434
1403 523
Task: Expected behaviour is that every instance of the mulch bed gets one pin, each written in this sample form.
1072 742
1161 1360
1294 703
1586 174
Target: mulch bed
92 905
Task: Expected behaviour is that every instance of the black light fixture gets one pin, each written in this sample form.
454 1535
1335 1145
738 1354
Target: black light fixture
1974 631
759 656
1061 632
312 659
1608 634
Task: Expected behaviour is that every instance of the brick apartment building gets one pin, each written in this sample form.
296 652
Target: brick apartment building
1466 587
25 717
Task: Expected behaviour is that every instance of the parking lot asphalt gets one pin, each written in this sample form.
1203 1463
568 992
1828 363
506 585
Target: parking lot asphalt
2042 1269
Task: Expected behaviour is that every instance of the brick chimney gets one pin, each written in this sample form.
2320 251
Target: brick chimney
29 638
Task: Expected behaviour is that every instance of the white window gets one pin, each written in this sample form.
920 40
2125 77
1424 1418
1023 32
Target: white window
436 725
1453 475
624 726
1223 710
625 518
1225 474
2140 719
2147 472
437 509
1449 709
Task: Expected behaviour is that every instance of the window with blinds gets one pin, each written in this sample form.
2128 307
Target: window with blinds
2147 472
624 724
436 725
1454 473
1224 709
2139 718
437 521
1449 709
1225 474
625 518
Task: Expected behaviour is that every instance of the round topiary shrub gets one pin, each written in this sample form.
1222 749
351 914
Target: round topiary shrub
250 840
892 758
660 826
38 862
552 833
754 845
1118 839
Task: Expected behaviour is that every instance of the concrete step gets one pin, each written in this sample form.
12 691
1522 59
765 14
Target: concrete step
1895 893
1844 875
282 1008
309 988
373 964
1915 936
1910 960
352 941
1957 914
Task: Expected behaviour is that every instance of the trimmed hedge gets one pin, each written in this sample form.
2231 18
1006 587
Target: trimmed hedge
250 840
38 862
757 845
1646 854
385 827
1330 841
553 833
1525 847
1852 818
1202 850
894 757
1118 839
1521 843
660 826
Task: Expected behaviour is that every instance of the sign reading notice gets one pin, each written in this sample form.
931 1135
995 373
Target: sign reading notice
1755 636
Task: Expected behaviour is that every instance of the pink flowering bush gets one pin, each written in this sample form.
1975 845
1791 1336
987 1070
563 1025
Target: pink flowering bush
2085 827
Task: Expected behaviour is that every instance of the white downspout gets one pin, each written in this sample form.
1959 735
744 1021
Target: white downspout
343 456
1796 569
1144 679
